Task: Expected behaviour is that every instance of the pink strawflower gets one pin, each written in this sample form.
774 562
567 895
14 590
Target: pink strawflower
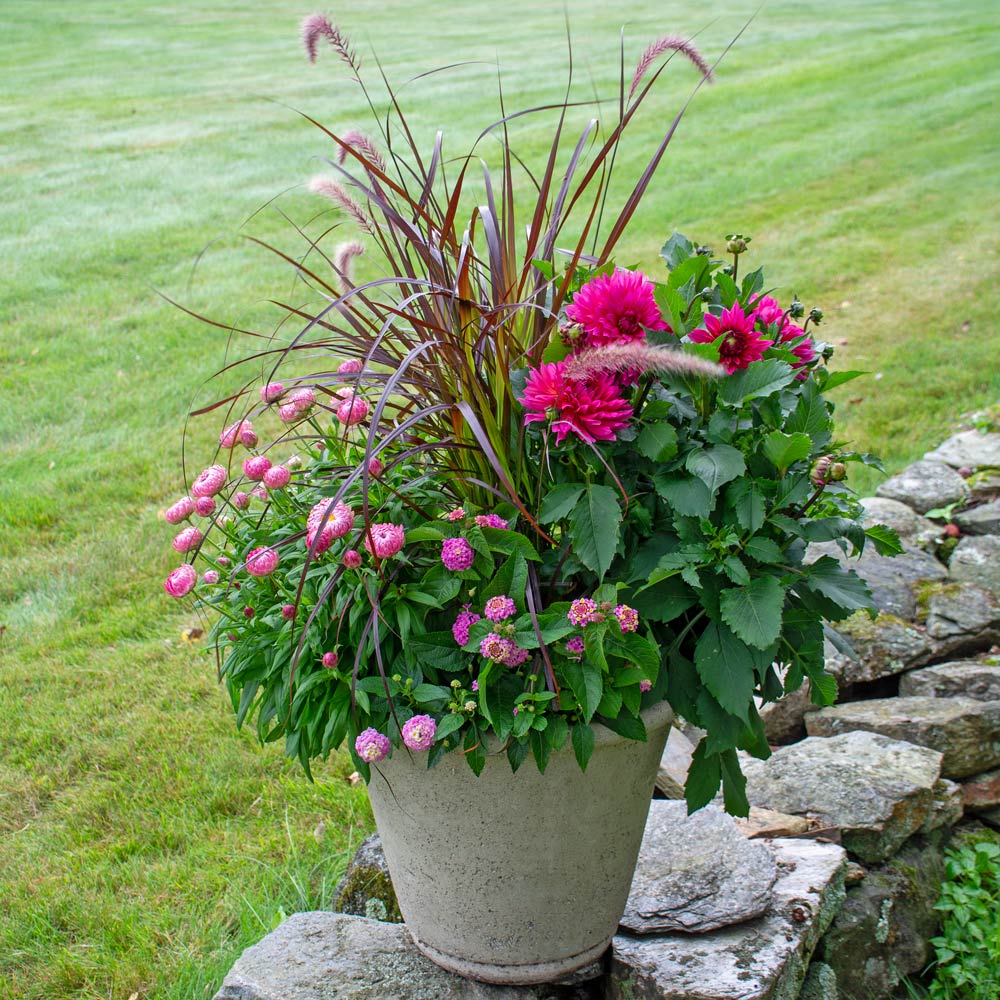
514 655
177 512
240 500
458 514
259 492
210 576
272 392
223 561
385 540
255 466
575 647
645 686
181 581
188 539
330 660
628 618
242 431
375 467
457 554
209 482
418 732
500 608
583 611
204 506
352 411
491 521
248 612
740 344
288 413
352 559
346 392
350 367
288 612
593 410
277 477
262 561
337 524
460 630
371 746
494 646
616 308
297 404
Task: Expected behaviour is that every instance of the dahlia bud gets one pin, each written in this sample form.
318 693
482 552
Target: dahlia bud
737 244
796 309
819 475
816 315
838 471
570 333
703 251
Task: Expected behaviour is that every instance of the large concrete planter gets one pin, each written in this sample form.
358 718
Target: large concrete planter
517 878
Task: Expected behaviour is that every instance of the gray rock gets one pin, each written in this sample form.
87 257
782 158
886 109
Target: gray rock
985 485
960 617
878 791
976 559
334 956
968 449
674 765
948 808
878 648
696 873
981 793
981 520
820 984
784 719
991 817
905 521
966 732
925 485
977 679
366 888
768 823
765 959
881 933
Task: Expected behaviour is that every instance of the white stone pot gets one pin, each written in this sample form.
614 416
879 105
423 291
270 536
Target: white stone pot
517 878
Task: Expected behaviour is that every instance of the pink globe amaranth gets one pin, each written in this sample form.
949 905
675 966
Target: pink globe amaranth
352 559
209 482
277 477
303 399
262 561
418 732
327 527
272 392
242 432
179 511
330 660
739 344
240 500
616 308
375 467
210 576
385 540
372 746
181 581
352 411
457 554
288 612
350 367
205 506
288 413
188 539
255 466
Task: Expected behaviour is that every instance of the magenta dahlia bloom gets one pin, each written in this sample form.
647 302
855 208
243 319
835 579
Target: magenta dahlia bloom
177 512
616 308
338 523
255 466
385 540
457 554
262 561
371 746
628 618
209 482
805 351
181 581
277 477
740 344
352 411
500 608
272 392
491 521
188 539
352 559
768 310
418 732
594 410
583 611
464 621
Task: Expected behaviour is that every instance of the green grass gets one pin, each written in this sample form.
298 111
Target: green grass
142 842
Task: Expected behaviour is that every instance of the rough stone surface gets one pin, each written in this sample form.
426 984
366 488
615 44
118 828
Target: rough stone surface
925 485
880 648
977 679
968 449
674 765
976 559
992 817
770 823
982 791
881 933
985 485
965 731
960 617
764 959
784 719
366 888
696 873
905 521
877 790
334 956
981 520
820 984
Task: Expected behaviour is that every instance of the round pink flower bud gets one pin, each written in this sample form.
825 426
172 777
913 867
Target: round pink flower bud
277 477
371 746
352 559
346 392
418 732
255 466
235 432
181 581
303 399
375 467
330 660
204 506
240 500
223 561
262 561
457 554
209 482
177 512
210 576
352 411
259 492
288 413
350 367
248 612
288 612
385 540
188 539
272 392
248 436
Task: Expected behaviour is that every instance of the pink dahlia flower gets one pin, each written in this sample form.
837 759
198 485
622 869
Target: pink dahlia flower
385 540
188 539
255 466
352 559
272 392
352 411
583 611
209 482
371 746
805 351
204 506
177 512
350 367
210 576
500 608
181 581
277 477
457 554
242 431
593 410
740 344
491 521
460 630
418 732
330 659
337 524
767 310
616 308
262 561
628 618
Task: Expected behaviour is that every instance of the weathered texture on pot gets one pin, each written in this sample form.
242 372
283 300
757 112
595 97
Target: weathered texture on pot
517 878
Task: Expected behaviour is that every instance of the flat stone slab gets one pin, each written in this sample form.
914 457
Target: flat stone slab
968 450
969 678
881 648
905 521
981 520
336 956
878 791
925 485
696 873
764 959
674 764
770 823
981 792
966 732
961 616
976 559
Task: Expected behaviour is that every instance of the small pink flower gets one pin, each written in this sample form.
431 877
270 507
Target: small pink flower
739 344
255 466
272 392
475 685
346 392
233 433
645 686
457 554
248 612
288 413
259 492
460 630
262 561
458 514
297 404
375 467
330 660
277 477
583 611
371 746
616 308
352 411
514 655
492 521
500 608
767 310
418 732
337 524
628 618
223 561
204 506
210 576
240 500
352 559
385 540
209 482
575 647
181 581
177 512
350 367
188 539
248 436
288 612
494 647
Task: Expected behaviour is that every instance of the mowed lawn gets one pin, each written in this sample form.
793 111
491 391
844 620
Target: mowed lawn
143 843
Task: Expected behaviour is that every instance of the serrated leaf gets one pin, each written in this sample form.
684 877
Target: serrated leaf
559 501
841 586
811 417
678 248
784 449
748 504
725 667
658 442
763 549
886 540
594 528
716 466
761 378
735 570
753 612
686 495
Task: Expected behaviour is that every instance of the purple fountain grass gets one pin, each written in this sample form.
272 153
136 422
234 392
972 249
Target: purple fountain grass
636 357
669 43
